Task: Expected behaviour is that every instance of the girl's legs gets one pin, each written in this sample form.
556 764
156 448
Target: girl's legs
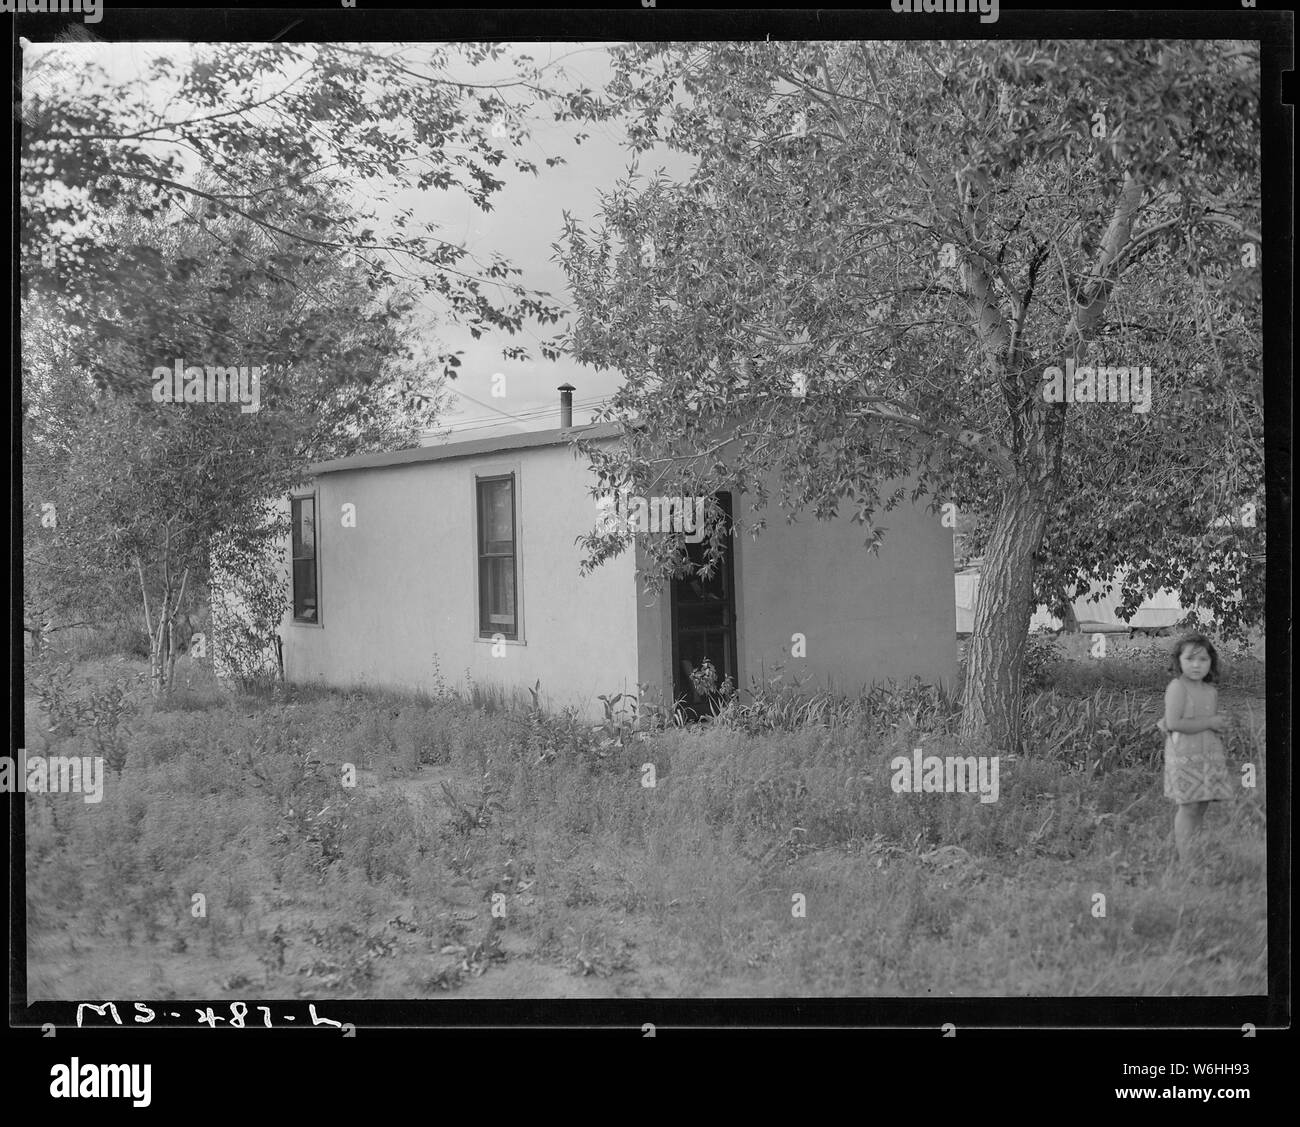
1186 823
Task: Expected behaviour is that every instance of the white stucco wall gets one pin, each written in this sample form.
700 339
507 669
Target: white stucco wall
865 618
401 587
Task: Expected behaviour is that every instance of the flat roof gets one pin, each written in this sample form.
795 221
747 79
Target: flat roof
467 449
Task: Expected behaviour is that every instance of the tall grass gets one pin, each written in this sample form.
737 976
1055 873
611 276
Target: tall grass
385 888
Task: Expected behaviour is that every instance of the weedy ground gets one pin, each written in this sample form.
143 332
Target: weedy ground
489 851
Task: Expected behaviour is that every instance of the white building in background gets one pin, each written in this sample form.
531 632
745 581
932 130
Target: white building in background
1161 611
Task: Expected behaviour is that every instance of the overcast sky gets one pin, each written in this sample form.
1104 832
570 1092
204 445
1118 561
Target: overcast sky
526 220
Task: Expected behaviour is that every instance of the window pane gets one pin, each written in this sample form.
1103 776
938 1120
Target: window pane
498 516
496 572
304 589
304 528
497 595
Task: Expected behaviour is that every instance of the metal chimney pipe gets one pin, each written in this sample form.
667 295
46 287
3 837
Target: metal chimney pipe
566 391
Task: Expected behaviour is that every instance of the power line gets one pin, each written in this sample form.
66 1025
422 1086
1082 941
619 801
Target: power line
484 423
497 410
462 432
489 406
529 413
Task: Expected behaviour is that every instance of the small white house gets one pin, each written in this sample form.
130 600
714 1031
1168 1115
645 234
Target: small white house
467 554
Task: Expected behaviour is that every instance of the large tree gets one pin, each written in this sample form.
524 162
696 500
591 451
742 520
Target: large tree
882 251
259 121
149 496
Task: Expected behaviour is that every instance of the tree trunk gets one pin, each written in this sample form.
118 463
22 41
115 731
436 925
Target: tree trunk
1061 607
172 649
163 645
162 659
1069 622
154 682
1003 608
157 669
158 645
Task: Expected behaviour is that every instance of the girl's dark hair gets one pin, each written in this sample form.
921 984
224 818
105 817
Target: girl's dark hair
1175 666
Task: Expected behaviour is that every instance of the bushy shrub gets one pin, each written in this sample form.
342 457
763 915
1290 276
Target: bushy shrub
100 709
1042 656
775 705
375 835
1101 733
911 707
544 737
890 706
113 639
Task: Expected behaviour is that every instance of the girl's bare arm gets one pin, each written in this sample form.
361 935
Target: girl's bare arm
1175 702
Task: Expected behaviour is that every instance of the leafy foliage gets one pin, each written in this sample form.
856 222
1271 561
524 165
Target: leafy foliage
101 711
1042 655
99 450
272 124
859 210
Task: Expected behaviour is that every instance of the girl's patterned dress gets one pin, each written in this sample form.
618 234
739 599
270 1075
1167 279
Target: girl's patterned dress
1196 768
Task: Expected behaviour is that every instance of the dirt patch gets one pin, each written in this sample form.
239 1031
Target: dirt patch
426 781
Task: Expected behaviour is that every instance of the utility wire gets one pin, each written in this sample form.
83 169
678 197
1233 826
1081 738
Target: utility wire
487 423
532 412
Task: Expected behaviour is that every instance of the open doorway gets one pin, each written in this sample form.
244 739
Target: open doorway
704 626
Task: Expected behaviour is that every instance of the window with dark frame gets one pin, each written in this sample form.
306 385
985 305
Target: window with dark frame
303 515
497 576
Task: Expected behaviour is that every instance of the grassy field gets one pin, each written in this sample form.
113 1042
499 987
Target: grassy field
486 852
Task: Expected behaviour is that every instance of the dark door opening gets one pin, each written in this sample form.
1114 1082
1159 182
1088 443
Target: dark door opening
704 626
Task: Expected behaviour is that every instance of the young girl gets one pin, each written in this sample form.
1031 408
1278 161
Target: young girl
1196 769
